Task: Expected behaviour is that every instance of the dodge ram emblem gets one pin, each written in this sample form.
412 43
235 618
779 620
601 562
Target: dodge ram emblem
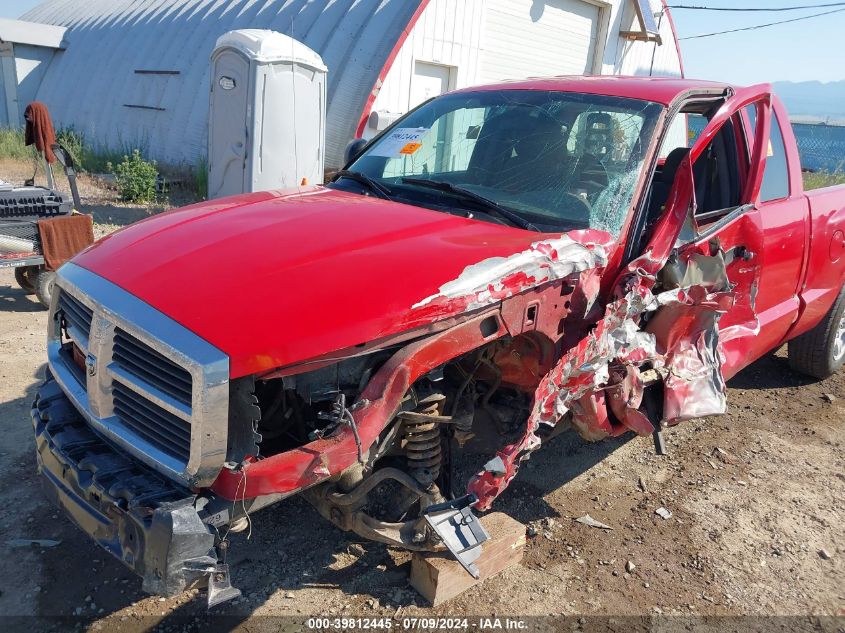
91 365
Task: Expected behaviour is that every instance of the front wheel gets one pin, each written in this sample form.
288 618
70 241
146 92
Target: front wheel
821 351
44 286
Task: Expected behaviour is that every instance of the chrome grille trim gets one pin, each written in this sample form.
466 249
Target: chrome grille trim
105 400
139 385
152 367
78 317
169 433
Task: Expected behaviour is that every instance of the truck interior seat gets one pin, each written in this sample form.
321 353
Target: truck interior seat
663 182
530 153
716 176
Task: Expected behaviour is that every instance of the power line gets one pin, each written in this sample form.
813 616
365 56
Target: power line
761 26
693 7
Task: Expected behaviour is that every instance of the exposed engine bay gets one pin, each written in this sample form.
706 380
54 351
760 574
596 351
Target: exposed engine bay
466 407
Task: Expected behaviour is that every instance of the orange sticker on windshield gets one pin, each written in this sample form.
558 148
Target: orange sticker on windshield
410 148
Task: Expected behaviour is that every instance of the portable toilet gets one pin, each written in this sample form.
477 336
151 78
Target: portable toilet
267 113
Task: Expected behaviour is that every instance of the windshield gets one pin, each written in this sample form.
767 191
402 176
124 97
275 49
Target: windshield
557 160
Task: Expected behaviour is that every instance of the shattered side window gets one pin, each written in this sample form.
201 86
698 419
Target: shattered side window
558 160
683 132
775 184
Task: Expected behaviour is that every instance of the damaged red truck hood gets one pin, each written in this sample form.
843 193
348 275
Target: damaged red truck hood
311 271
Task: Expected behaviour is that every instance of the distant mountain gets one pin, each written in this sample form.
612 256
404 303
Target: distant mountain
813 100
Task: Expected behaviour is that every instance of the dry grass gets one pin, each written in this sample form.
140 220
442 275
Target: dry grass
192 179
819 179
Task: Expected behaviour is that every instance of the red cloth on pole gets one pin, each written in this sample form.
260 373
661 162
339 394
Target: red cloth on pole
39 130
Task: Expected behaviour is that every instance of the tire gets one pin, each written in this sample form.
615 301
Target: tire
44 286
25 276
821 351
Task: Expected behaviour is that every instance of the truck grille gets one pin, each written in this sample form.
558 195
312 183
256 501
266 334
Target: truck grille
144 362
76 315
142 380
159 427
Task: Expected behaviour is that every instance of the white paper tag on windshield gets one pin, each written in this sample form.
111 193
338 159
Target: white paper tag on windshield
401 141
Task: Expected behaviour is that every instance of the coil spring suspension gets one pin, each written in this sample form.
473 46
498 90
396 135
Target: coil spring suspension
421 430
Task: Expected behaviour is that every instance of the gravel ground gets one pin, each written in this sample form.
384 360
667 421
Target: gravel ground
757 501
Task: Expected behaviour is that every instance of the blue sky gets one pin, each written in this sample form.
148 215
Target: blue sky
810 49
806 50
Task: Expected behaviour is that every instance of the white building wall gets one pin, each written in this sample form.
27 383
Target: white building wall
483 41
524 38
627 57
447 34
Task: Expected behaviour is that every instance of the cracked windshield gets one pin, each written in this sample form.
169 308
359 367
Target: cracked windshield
535 159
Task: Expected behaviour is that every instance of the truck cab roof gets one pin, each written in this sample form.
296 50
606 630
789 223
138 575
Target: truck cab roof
663 90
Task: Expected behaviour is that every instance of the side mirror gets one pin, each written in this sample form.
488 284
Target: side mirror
354 149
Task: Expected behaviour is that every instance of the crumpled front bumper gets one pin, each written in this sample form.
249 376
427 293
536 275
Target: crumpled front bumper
146 521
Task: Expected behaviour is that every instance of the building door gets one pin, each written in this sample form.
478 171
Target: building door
10 116
429 80
527 38
227 125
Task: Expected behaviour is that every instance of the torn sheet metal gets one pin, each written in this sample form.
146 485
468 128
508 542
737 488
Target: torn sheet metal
498 278
687 336
582 369
679 340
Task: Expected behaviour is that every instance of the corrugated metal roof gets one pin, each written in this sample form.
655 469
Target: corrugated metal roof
21 32
96 84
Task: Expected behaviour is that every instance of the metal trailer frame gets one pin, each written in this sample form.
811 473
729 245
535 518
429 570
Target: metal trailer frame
21 262
35 259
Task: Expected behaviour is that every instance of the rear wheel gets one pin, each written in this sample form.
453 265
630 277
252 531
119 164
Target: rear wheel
821 351
25 276
44 286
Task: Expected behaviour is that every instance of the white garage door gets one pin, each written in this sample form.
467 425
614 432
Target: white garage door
536 38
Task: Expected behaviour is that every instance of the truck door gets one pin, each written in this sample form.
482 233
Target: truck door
711 210
784 217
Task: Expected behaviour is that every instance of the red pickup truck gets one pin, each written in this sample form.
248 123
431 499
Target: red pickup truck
504 263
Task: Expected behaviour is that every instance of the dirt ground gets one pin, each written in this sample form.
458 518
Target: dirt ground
757 528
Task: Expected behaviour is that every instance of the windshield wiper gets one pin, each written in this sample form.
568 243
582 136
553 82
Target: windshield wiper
364 179
488 204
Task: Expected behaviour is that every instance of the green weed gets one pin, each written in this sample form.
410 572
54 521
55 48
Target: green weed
136 178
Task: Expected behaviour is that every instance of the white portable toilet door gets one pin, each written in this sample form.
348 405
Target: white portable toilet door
228 122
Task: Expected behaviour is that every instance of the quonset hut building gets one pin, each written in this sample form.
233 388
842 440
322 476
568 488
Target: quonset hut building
136 72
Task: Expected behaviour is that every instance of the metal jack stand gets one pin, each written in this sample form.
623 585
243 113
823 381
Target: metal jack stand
460 530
